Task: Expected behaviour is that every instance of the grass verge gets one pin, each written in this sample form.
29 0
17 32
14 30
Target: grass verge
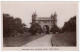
64 39
20 40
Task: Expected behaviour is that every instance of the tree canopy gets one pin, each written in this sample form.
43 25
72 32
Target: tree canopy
11 24
55 29
35 27
70 25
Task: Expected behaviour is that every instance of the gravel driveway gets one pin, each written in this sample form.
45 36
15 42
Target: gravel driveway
40 42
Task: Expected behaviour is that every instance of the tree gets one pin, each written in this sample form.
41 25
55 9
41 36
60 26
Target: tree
11 25
55 29
8 23
70 25
35 28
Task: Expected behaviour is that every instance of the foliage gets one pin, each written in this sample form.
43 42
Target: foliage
55 29
35 28
70 25
11 25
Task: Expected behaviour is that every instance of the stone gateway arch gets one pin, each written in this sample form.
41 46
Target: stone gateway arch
45 22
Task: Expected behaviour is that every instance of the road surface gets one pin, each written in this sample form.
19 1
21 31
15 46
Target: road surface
44 41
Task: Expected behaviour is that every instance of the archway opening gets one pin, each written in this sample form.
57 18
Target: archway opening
46 29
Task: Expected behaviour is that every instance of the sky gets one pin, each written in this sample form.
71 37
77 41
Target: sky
24 10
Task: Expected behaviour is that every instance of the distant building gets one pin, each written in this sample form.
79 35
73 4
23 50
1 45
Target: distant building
47 22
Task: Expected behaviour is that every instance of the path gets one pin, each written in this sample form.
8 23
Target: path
40 42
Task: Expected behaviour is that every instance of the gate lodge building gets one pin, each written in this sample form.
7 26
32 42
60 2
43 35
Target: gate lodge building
47 22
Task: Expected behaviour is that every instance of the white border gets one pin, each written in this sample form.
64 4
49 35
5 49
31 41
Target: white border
0 26
79 25
40 0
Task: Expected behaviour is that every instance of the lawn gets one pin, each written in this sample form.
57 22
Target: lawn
64 39
20 40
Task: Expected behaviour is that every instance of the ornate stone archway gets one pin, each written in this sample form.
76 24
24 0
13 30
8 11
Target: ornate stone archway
46 29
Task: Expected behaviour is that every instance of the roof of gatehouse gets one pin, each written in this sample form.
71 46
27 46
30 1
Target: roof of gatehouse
43 18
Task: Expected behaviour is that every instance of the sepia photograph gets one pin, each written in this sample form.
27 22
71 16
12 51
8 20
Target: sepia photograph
39 24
